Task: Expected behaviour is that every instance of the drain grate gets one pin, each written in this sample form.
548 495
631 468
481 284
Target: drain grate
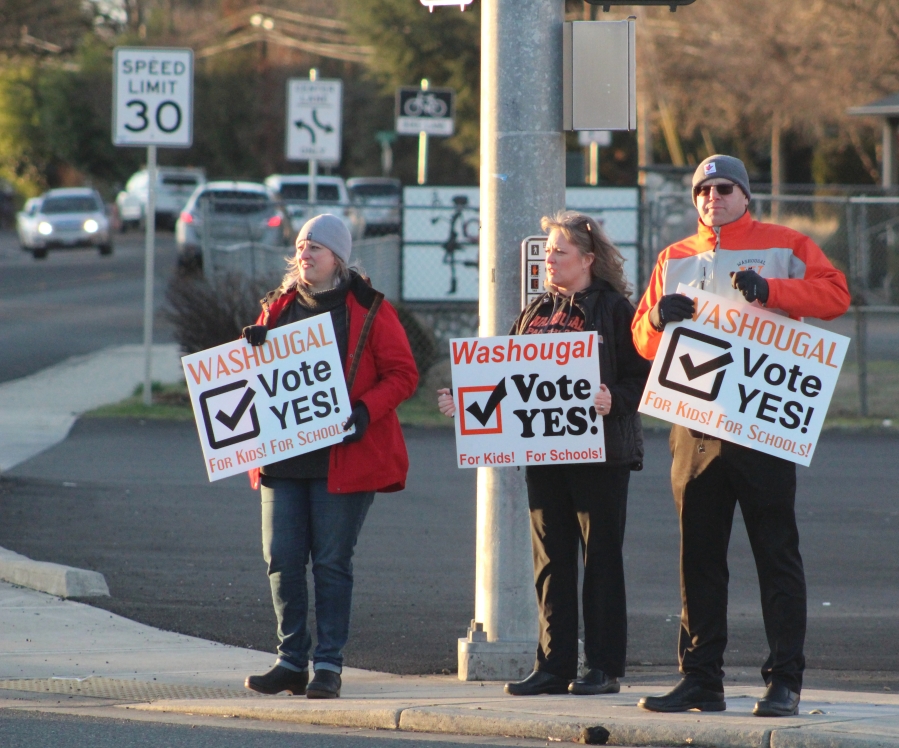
126 690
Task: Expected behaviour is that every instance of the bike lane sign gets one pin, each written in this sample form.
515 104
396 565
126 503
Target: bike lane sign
746 375
153 92
526 400
314 120
255 405
430 111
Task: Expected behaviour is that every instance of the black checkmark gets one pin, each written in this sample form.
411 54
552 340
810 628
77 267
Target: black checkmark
694 372
499 392
232 420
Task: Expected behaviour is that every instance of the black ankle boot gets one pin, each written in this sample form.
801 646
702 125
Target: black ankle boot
278 679
325 685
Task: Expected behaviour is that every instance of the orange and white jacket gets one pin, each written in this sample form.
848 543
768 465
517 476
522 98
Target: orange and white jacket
801 280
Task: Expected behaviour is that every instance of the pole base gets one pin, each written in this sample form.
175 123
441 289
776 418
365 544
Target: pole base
504 661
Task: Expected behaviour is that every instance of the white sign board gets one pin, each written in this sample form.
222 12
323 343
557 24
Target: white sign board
526 400
430 111
431 215
153 93
746 375
255 405
314 120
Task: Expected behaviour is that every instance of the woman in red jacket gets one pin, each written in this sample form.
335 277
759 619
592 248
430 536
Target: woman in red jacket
314 504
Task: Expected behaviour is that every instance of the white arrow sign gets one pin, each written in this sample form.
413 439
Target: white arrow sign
314 118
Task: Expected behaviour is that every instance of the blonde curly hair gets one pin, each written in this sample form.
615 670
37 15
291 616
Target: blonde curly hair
590 239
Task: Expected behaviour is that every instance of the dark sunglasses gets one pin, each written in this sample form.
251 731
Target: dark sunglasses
706 189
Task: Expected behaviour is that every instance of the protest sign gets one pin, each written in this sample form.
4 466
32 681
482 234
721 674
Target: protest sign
255 405
526 400
746 375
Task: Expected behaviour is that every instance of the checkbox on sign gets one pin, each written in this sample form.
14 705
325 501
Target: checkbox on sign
229 414
480 410
691 360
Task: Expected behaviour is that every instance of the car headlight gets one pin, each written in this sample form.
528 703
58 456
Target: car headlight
44 228
91 226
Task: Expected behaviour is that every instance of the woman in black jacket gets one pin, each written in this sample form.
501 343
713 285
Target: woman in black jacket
583 504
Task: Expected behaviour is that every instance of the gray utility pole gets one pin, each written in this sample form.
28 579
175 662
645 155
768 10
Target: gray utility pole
522 179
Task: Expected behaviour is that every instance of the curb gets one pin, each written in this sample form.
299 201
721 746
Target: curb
55 579
488 722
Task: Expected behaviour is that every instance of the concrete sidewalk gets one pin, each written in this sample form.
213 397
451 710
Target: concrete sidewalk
53 646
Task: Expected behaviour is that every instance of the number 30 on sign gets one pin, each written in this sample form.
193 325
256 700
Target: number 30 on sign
153 97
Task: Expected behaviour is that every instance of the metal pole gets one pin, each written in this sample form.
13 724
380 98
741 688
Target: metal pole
593 178
422 158
423 146
522 178
861 357
313 165
149 270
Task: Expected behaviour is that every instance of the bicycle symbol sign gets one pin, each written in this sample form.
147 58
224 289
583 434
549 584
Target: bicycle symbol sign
430 111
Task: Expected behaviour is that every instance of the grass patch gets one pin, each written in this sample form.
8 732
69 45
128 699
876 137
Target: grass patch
170 402
421 410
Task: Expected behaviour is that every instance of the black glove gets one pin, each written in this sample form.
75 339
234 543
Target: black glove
750 284
254 334
674 307
358 418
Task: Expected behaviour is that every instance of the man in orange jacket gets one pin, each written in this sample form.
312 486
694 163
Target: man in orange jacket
786 272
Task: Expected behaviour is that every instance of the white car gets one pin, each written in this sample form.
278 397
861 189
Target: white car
174 186
74 217
379 199
331 196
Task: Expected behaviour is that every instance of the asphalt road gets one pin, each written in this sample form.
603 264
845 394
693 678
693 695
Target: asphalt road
34 729
75 301
130 499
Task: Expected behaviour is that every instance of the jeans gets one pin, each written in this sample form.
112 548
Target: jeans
579 508
300 518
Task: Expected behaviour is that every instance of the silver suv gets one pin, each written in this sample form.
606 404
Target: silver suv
379 199
238 214
331 196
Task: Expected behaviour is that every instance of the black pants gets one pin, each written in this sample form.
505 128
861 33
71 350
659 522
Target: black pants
579 505
707 486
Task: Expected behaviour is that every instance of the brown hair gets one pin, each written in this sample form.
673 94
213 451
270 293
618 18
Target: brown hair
587 235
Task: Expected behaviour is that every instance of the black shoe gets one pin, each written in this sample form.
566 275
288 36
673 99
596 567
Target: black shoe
778 701
278 679
536 683
594 682
325 685
686 695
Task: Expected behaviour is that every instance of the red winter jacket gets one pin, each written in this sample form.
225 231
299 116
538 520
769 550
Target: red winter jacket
381 373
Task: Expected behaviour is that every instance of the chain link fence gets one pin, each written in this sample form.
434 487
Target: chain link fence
429 270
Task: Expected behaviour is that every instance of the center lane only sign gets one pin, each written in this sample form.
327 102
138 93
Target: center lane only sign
746 375
526 400
255 405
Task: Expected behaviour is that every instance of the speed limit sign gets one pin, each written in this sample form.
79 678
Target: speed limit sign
153 92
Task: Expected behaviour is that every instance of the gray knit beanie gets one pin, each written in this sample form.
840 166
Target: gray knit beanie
329 231
721 167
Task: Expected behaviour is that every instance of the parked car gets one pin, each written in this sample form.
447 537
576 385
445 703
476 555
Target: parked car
74 217
331 196
379 199
174 186
237 213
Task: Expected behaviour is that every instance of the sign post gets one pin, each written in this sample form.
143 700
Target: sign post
314 124
425 111
152 106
